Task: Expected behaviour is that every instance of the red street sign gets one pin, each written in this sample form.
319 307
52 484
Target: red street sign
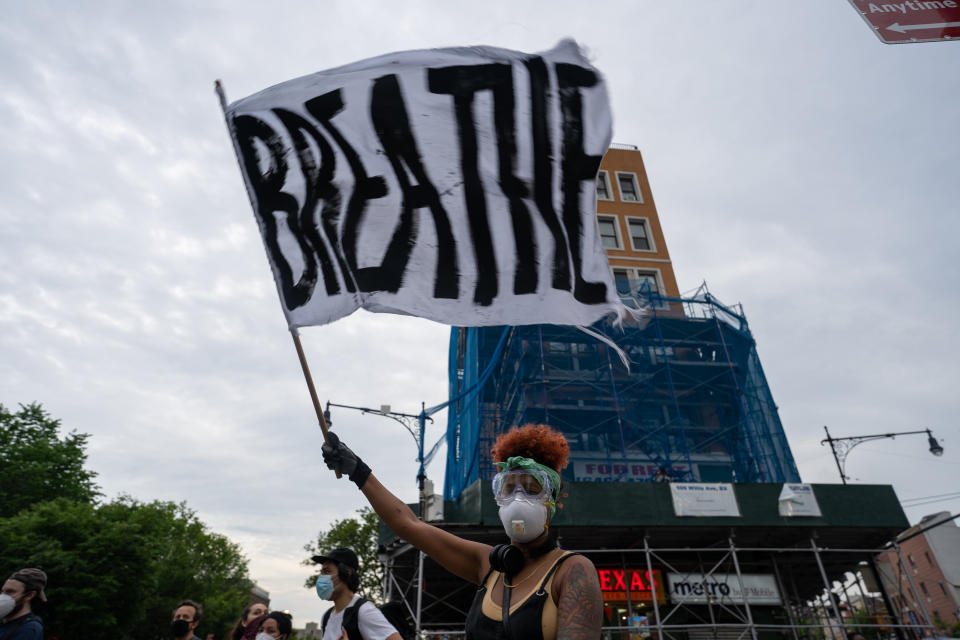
912 20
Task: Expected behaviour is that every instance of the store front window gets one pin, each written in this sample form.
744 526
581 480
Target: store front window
628 601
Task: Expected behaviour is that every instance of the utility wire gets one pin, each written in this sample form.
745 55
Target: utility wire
920 504
939 495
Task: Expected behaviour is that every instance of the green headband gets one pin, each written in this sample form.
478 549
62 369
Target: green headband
519 462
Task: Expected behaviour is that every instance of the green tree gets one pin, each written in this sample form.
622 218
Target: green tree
36 464
119 569
360 534
116 570
186 561
96 564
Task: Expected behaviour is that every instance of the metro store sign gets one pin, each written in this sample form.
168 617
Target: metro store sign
615 583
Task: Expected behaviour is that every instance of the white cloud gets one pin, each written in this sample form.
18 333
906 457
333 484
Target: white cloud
809 176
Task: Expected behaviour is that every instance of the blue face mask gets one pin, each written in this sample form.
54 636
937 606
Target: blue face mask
324 587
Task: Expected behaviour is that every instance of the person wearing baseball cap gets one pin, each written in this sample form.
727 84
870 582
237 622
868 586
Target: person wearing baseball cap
338 581
16 605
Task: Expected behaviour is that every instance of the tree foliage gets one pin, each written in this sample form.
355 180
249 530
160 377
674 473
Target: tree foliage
360 534
36 464
116 570
186 561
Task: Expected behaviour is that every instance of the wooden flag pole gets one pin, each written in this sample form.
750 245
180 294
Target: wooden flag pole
221 94
313 390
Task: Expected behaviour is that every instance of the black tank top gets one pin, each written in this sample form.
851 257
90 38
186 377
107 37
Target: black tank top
524 623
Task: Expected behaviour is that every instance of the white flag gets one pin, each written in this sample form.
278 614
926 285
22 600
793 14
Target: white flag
452 184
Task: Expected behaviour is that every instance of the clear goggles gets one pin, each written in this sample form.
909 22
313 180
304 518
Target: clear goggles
531 484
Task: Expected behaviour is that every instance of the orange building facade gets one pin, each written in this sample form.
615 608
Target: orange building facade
630 228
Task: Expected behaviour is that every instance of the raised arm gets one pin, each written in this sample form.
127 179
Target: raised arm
464 558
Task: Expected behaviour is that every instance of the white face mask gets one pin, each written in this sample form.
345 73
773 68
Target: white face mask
523 520
264 636
7 605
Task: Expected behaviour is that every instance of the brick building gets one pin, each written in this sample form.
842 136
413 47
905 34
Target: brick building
930 558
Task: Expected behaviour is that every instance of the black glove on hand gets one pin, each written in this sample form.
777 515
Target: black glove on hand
337 455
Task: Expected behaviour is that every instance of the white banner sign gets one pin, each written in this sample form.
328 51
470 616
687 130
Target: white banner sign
452 184
798 500
628 471
696 588
704 499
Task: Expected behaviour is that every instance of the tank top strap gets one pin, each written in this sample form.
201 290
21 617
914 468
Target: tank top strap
553 569
483 583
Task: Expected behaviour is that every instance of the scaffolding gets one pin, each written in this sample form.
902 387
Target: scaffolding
813 592
694 404
757 576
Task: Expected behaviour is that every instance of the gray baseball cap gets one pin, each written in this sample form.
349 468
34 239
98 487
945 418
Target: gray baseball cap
33 579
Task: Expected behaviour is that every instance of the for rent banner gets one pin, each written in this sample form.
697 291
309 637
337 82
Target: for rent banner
452 184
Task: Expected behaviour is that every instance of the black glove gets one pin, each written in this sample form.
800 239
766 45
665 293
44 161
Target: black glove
337 455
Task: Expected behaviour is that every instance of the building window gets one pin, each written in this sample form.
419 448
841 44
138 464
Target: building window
634 284
910 558
923 587
944 589
929 559
603 187
640 234
629 187
621 278
607 227
648 281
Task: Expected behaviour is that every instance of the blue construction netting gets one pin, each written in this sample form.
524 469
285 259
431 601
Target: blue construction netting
463 418
694 406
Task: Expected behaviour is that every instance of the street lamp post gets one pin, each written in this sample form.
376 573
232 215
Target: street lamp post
841 446
406 419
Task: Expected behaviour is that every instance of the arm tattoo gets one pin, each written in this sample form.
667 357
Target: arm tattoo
580 610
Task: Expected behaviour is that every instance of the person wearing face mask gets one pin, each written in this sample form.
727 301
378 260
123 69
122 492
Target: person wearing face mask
277 625
249 622
17 619
529 589
350 615
186 619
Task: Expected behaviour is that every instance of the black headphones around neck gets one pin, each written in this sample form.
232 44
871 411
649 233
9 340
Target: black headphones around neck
507 559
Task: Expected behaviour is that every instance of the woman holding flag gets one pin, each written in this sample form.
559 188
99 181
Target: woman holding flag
528 589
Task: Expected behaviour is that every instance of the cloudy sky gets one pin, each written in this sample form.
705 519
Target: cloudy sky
799 166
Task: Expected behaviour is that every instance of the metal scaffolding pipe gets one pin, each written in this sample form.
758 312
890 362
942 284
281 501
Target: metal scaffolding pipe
916 593
826 584
653 587
419 590
743 592
894 613
783 595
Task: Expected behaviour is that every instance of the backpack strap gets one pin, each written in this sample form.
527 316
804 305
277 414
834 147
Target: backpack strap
351 619
323 622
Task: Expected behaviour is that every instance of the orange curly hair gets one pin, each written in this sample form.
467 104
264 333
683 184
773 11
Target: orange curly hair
544 444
